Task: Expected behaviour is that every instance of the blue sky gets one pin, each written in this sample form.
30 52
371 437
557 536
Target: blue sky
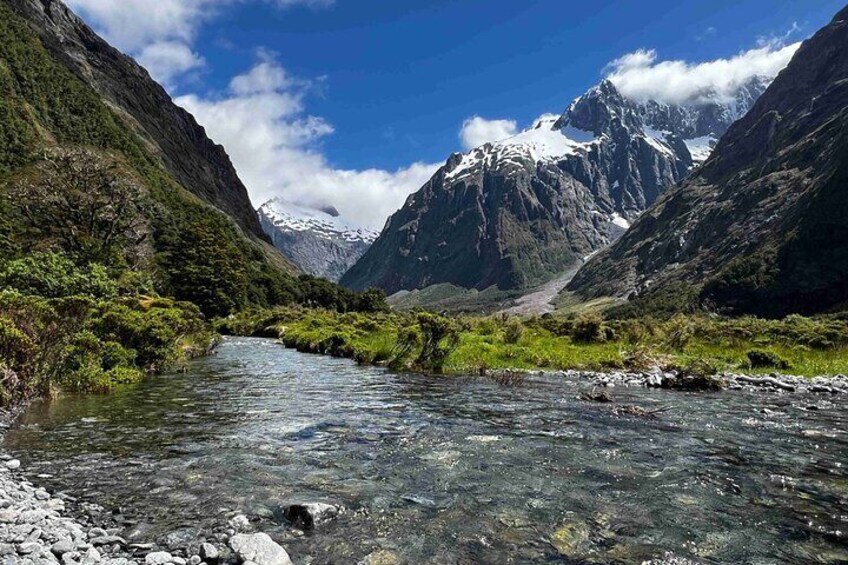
376 86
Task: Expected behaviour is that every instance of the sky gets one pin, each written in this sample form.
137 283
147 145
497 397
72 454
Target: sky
356 103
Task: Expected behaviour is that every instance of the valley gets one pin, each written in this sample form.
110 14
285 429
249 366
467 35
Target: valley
273 330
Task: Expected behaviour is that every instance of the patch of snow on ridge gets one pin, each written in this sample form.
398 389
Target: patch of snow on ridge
539 142
291 217
619 220
656 139
700 147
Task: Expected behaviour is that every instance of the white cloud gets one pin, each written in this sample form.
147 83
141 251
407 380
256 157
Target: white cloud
167 60
639 75
160 34
476 131
262 122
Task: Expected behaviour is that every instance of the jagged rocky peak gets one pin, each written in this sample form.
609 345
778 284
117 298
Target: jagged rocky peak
317 238
599 110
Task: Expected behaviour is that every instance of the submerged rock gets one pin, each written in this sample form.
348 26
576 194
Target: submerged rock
309 514
570 537
259 548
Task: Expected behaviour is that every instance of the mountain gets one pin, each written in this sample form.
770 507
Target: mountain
67 94
517 212
318 240
196 162
762 226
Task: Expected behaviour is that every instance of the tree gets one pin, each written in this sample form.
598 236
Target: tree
82 202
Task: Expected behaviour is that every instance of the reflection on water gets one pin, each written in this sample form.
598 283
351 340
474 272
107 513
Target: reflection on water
454 470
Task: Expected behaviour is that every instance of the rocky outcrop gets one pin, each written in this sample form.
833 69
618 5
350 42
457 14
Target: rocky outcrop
318 240
762 227
171 133
518 212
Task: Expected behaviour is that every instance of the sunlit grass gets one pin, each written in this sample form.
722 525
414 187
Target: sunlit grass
809 347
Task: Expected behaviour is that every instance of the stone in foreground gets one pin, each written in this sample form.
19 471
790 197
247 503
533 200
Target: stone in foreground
259 548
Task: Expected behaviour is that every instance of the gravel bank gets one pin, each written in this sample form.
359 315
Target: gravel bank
656 378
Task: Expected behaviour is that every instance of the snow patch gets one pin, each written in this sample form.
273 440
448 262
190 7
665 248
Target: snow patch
657 140
700 148
540 142
619 220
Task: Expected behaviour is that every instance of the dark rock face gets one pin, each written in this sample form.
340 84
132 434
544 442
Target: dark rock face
762 227
195 161
517 212
317 240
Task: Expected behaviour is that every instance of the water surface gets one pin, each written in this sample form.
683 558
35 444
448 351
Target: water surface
453 470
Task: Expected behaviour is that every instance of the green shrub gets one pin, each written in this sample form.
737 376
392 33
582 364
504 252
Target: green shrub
589 327
513 331
52 275
439 338
760 359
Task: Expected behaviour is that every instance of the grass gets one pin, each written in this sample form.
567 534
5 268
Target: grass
691 344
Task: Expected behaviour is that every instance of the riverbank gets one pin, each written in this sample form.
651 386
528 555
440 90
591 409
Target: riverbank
684 346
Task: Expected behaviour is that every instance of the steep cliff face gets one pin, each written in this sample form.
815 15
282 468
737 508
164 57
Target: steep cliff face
196 162
762 227
319 241
519 211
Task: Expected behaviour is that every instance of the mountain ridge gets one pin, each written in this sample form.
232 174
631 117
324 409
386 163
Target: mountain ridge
517 212
761 227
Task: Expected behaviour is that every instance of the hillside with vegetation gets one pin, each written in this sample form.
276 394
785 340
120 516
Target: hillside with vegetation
110 267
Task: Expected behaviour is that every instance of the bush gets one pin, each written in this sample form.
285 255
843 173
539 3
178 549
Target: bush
155 330
52 275
760 359
513 331
439 338
589 327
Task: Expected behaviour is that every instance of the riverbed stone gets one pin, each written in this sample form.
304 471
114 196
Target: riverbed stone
107 540
307 515
259 548
13 464
568 538
158 558
62 547
239 522
208 552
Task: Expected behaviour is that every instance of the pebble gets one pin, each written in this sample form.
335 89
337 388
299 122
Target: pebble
13 464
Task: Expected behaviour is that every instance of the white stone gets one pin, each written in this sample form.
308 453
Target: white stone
158 558
259 548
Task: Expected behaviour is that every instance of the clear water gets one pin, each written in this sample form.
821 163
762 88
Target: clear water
453 470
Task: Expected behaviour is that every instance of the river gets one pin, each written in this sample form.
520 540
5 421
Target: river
451 470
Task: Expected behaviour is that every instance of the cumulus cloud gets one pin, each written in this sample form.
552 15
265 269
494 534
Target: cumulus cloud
160 34
274 144
476 131
641 76
167 60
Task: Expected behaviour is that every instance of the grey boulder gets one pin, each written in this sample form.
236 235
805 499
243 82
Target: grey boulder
259 548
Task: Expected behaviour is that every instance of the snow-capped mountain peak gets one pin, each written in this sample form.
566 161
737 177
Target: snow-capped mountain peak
315 238
325 222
